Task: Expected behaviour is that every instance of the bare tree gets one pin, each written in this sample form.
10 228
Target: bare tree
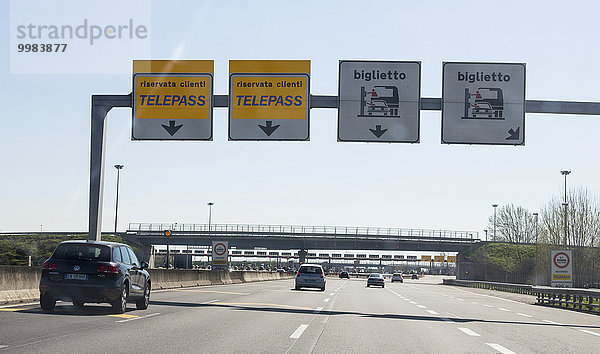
513 224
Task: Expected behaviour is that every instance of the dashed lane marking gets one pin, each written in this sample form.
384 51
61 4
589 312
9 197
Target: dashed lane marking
139 318
210 301
421 306
503 309
474 303
590 332
331 294
261 304
298 332
524 315
123 315
215 291
500 348
3 346
468 332
432 312
552 322
412 302
326 300
486 305
318 309
459 299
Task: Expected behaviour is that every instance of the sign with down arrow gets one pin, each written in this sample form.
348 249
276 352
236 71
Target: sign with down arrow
269 99
379 101
172 99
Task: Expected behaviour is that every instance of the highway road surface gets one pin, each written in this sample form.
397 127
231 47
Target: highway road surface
416 316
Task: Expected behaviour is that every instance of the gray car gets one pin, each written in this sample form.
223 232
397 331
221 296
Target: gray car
310 276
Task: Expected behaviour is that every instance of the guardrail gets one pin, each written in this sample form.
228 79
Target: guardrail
303 230
568 298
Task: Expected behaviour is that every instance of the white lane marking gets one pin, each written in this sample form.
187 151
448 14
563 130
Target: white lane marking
326 300
446 319
468 332
3 346
405 299
318 309
590 332
552 322
331 294
138 318
17 305
473 302
523 314
209 302
459 299
500 348
412 302
298 332
432 312
486 305
503 309
421 306
452 297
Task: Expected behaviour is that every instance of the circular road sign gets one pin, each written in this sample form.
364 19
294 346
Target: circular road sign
167 233
561 260
220 249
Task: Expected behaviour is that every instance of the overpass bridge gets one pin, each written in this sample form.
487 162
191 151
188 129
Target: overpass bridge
248 236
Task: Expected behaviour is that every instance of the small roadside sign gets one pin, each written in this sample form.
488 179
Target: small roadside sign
561 264
483 103
172 99
220 253
269 99
379 101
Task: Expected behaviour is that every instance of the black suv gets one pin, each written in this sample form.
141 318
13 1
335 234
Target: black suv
94 271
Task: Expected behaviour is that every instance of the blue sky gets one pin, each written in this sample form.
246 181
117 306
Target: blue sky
46 131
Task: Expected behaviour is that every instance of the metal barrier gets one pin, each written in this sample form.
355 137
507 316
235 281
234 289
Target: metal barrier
567 298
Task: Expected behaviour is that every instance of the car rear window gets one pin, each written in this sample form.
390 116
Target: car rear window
82 251
310 270
374 275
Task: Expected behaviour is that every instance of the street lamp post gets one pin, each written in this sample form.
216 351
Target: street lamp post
565 204
536 247
486 257
210 204
494 236
118 167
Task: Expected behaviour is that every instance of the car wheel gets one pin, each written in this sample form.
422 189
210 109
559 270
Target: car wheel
47 302
368 285
120 304
78 304
383 286
142 304
323 289
297 287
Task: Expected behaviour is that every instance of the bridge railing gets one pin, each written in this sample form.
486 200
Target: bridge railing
302 229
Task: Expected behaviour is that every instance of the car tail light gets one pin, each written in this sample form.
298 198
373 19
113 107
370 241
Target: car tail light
298 274
322 275
49 266
111 269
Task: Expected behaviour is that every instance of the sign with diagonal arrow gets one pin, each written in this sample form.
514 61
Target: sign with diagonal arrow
483 103
379 101
269 99
172 99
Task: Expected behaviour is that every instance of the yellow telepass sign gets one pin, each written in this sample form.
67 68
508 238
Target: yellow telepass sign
425 258
269 99
172 99
439 258
452 259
